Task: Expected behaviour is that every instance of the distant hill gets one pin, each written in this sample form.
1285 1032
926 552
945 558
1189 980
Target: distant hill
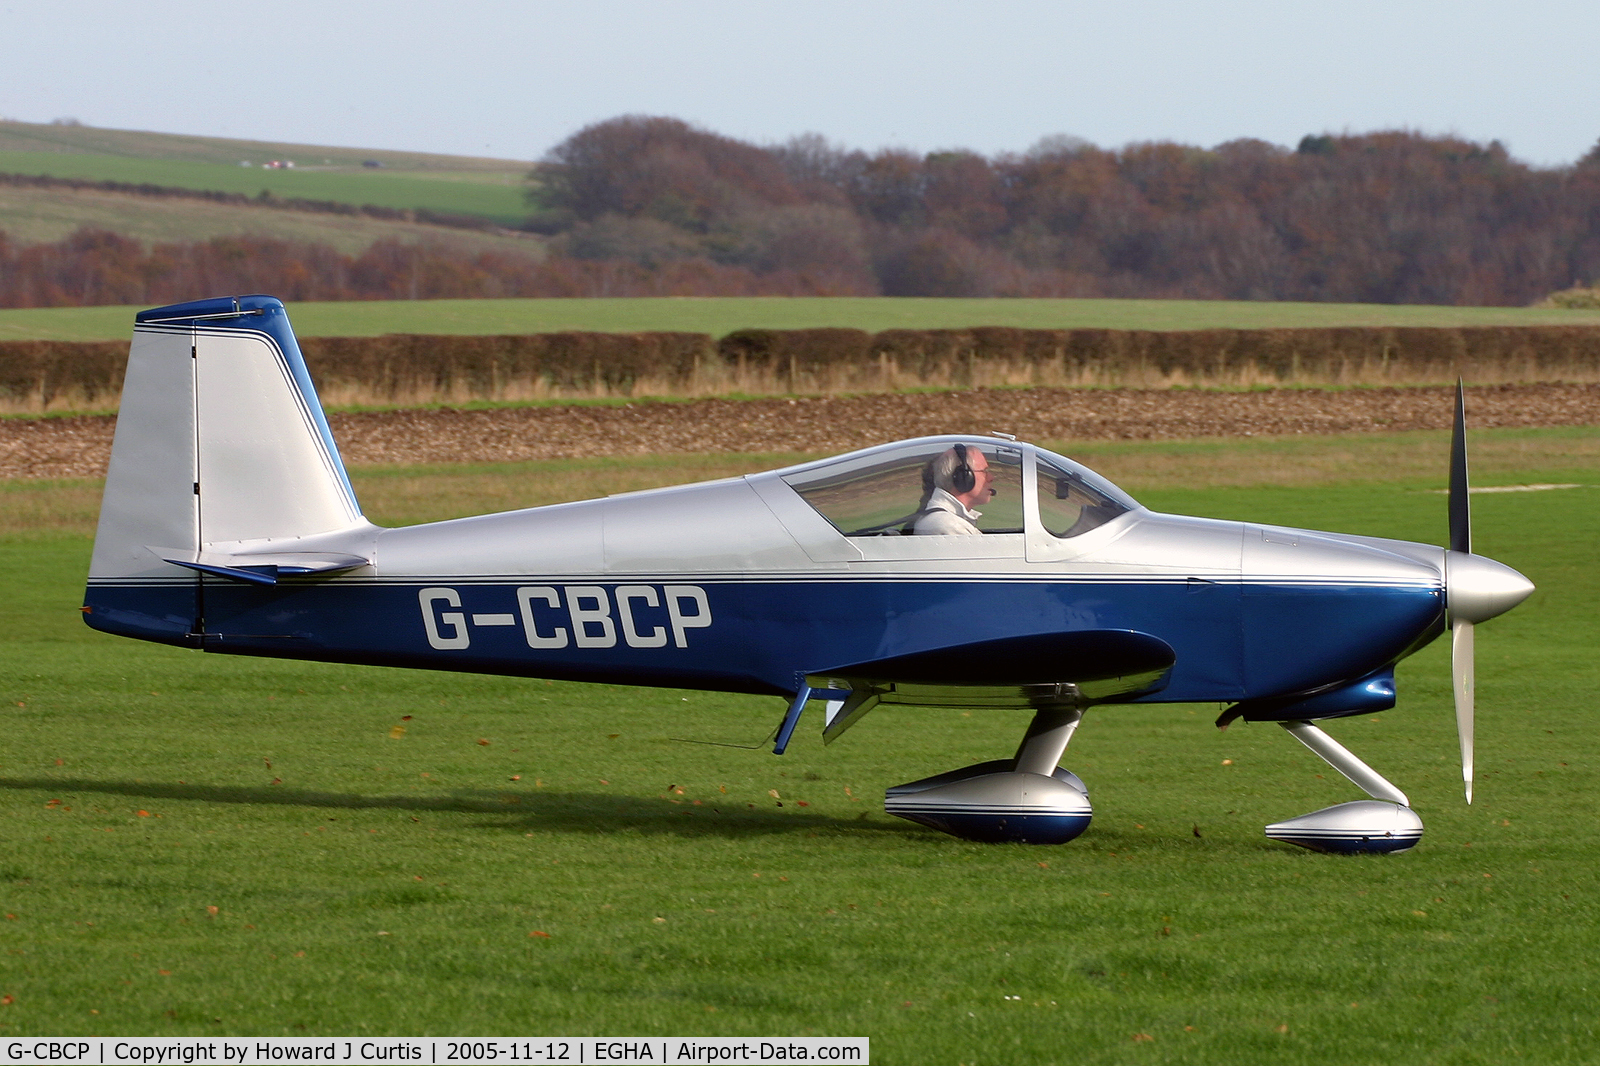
175 147
32 216
491 189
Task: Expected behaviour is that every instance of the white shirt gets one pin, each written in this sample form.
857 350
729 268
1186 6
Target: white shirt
947 515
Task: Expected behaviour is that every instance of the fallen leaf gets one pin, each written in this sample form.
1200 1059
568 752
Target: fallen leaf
1139 1038
516 777
405 718
541 933
397 732
6 1001
485 743
212 911
773 793
144 814
164 973
659 921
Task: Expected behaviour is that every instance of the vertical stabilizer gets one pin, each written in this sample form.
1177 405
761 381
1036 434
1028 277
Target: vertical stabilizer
220 440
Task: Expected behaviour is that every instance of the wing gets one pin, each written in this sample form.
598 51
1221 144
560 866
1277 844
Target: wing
1037 670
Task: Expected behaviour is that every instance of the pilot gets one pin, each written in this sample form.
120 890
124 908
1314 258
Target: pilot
953 481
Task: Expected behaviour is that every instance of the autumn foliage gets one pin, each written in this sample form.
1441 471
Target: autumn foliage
96 267
1392 217
645 206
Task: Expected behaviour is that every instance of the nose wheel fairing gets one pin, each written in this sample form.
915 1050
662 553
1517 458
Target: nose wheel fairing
1358 827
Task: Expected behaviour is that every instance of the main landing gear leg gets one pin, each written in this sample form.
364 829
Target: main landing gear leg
1027 799
1384 823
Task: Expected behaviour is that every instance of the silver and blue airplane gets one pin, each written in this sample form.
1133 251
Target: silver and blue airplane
229 525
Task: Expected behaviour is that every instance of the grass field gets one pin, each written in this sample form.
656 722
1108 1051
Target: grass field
35 216
722 315
146 144
201 845
497 196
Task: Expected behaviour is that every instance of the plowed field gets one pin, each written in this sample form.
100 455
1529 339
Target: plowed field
79 446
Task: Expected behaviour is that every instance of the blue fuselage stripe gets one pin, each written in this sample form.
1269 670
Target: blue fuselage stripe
1233 641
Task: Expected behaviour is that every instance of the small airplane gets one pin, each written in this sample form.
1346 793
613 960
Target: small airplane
229 525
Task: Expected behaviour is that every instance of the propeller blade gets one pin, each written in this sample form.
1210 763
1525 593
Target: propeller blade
1463 676
1461 669
1460 516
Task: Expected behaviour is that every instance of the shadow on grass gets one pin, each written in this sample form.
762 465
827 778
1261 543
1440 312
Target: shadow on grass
545 810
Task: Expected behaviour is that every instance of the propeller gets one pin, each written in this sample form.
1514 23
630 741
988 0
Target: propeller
1462 673
1476 589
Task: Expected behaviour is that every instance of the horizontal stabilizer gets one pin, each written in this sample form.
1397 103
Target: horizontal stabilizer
262 568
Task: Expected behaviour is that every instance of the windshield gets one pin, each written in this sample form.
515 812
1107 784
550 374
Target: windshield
887 493
1074 499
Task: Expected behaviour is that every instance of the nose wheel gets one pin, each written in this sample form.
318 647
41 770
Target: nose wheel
1382 824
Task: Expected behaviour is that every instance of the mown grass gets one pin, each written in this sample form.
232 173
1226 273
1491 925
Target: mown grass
497 196
722 315
370 883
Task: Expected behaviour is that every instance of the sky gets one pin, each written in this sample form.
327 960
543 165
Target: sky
512 80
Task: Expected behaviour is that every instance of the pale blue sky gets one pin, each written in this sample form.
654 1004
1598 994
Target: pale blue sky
512 79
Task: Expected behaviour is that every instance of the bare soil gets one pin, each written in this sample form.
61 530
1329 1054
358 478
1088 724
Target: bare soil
79 446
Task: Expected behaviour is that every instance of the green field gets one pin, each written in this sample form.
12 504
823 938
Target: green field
721 315
38 216
146 144
497 196
206 845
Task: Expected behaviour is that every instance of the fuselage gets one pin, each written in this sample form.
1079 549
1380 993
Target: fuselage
740 585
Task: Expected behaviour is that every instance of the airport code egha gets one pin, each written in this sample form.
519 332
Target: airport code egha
584 616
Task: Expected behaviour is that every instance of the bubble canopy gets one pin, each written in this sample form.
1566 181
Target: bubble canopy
883 491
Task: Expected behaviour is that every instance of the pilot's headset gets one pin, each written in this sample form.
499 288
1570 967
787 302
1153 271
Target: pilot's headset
962 477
